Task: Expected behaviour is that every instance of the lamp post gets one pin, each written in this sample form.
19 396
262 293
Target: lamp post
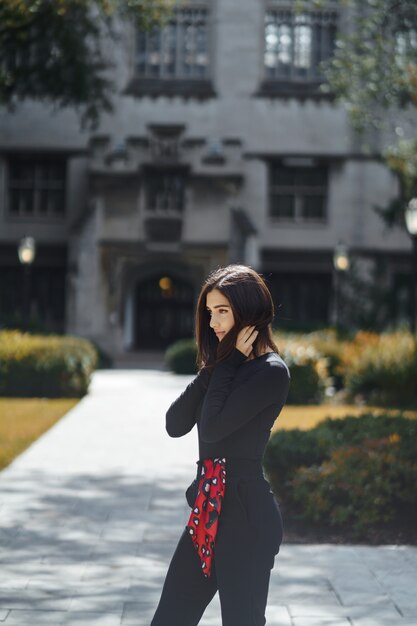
26 251
411 223
341 264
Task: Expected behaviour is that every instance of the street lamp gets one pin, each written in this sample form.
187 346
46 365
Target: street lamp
341 264
26 251
411 223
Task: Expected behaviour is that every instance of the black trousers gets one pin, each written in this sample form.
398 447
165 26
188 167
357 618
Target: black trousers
248 537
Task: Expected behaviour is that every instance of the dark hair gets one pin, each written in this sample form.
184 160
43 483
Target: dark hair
251 303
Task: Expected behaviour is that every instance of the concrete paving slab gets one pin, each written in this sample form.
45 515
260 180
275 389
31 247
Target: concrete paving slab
375 620
31 617
91 513
277 615
319 610
88 618
319 621
138 613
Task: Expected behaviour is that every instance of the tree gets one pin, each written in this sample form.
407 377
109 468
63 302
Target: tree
53 50
374 68
373 73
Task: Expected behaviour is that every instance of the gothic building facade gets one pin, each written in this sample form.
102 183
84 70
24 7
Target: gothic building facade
221 148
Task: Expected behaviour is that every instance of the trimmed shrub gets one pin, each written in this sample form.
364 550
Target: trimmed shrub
354 470
45 366
352 430
359 485
289 449
308 370
181 356
330 345
381 368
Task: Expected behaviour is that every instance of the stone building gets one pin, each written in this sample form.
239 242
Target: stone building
221 148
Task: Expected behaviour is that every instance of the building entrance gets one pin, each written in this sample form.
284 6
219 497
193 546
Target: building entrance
163 311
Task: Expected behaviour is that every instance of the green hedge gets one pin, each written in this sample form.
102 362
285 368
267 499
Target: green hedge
375 368
309 367
181 356
45 366
359 485
354 470
381 368
289 449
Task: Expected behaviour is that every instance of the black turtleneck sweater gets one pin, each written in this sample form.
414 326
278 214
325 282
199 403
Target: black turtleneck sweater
234 407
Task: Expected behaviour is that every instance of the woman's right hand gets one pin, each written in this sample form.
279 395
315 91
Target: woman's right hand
245 338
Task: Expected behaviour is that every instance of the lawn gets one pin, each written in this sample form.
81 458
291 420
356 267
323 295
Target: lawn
23 420
306 417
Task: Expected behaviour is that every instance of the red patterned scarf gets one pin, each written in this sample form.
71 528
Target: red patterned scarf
204 518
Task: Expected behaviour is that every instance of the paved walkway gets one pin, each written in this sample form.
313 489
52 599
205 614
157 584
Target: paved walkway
90 516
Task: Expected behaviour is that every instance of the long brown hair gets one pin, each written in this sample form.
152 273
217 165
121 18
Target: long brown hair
251 303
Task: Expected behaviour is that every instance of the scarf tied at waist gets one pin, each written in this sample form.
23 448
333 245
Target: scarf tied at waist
203 522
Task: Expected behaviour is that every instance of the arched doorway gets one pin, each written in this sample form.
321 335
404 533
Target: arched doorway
163 311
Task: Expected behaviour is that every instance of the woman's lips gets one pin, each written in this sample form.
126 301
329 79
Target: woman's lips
220 332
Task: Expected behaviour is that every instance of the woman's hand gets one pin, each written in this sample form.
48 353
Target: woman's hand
245 338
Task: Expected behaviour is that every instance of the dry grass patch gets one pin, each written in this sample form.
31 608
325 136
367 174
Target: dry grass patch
23 420
307 417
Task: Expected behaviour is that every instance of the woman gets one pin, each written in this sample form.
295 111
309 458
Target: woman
235 527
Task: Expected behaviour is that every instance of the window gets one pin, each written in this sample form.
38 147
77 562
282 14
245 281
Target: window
179 50
297 42
305 298
37 186
405 41
297 193
165 191
44 294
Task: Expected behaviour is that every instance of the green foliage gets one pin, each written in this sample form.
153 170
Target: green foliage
308 367
374 66
54 50
181 356
329 344
352 430
373 73
382 368
355 470
305 383
45 366
402 159
289 449
359 485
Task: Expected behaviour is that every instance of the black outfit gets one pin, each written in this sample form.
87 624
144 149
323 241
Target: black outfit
235 408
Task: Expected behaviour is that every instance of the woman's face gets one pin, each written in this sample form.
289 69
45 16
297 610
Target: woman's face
221 315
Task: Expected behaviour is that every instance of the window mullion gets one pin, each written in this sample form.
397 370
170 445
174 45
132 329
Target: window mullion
311 25
298 208
36 190
162 38
292 31
146 60
179 46
319 22
170 43
324 43
20 211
